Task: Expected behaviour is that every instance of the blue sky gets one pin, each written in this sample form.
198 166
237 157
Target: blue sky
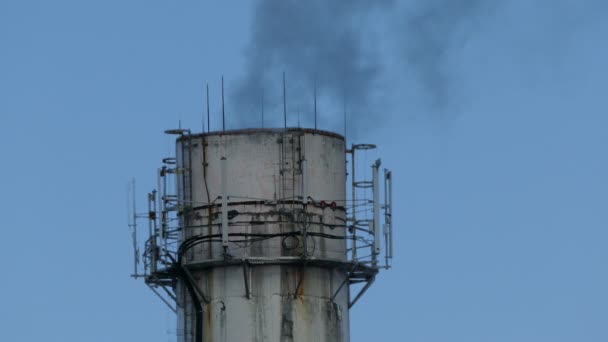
497 141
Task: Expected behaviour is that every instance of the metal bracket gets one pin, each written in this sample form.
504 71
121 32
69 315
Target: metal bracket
163 298
362 291
339 288
246 278
192 281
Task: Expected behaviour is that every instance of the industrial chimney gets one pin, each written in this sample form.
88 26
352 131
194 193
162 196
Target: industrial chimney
254 235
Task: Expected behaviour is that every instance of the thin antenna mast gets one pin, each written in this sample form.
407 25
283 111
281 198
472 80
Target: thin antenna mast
262 107
203 122
208 125
344 117
284 103
132 223
223 111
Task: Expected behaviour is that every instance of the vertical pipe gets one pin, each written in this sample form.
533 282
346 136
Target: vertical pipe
128 193
224 203
390 213
203 121
387 222
151 235
385 225
198 307
182 180
150 226
304 182
132 214
164 212
284 103
376 223
159 226
354 201
262 107
189 174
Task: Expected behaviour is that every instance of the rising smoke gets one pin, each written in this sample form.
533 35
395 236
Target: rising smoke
375 55
317 43
433 31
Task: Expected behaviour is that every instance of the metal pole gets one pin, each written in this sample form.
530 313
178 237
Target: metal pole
284 103
354 201
304 182
163 213
390 213
134 212
151 233
376 229
132 217
157 221
150 206
386 226
224 203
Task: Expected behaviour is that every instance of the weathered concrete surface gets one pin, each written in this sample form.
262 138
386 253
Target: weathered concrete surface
267 178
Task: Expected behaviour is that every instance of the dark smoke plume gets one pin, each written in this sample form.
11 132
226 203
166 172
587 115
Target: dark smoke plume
347 49
433 31
315 42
